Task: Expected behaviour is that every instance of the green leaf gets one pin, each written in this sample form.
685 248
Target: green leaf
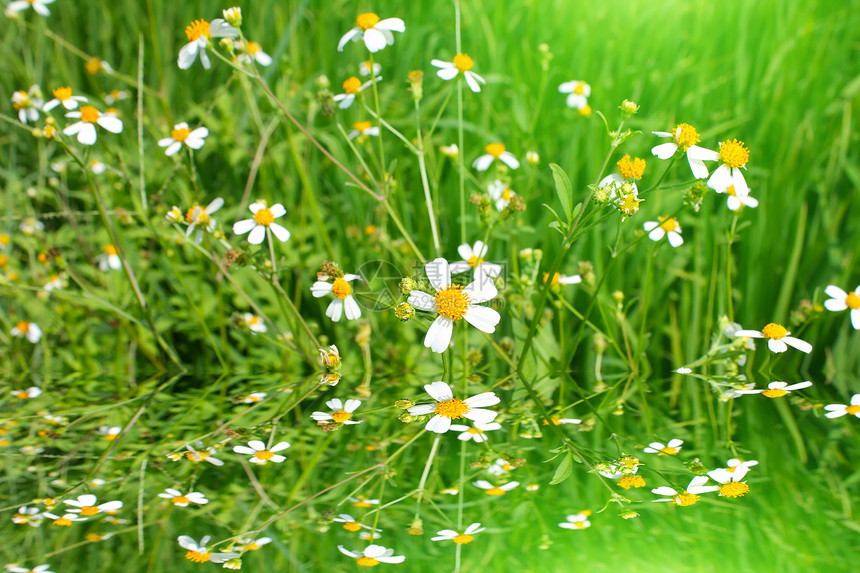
563 471
563 188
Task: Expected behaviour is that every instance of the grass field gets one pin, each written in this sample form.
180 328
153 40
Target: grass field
155 345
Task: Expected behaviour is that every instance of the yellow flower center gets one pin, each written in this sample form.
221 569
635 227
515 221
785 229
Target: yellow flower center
252 547
475 431
452 409
352 85
180 499
196 556
94 66
191 214
89 114
734 489
362 503
734 154
110 250
110 437
4 260
361 126
452 302
93 537
686 498
629 204
585 111
341 288
667 451
5 239
196 29
341 416
462 539
631 168
774 331
686 136
264 217
507 194
62 94
23 326
731 191
774 393
496 149
495 491
852 410
367 561
23 395
367 21
474 261
180 135
352 526
669 223
553 282
63 522
264 455
853 301
253 48
579 89
23 101
463 62
89 510
631 481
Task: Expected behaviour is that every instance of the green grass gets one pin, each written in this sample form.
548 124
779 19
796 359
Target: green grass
782 76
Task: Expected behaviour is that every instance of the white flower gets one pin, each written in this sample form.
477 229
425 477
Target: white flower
453 303
837 410
448 408
199 455
330 356
364 68
197 216
254 323
351 87
778 339
501 193
198 553
180 135
777 389
350 524
260 454
31 392
30 330
64 96
737 202
491 489
264 218
364 129
363 501
665 227
38 568
500 467
840 300
560 279
476 432
254 52
30 225
474 259
253 544
579 92
110 432
66 520
450 151
730 481
684 370
462 65
199 32
27 103
87 505
373 555
733 156
735 464
459 538
376 33
577 521
85 129
96 166
688 496
115 95
532 157
254 397
495 151
341 412
39 7
344 301
109 259
670 449
29 515
685 137
179 499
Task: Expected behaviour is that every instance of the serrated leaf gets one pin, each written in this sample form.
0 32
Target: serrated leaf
563 471
563 188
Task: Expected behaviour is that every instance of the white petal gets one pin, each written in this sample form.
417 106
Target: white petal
777 345
483 318
87 134
347 37
375 40
483 162
282 234
438 273
110 123
700 171
720 179
242 227
656 234
438 424
675 239
421 300
664 150
741 187
257 235
277 210
334 310
351 308
472 82
481 416
482 400
799 344
187 55
509 159
448 73
481 291
702 154
391 24
439 391
173 148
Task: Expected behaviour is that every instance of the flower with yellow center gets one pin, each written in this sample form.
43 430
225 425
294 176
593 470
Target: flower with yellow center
577 521
501 194
341 412
109 259
776 389
473 259
40 7
670 449
737 202
631 168
350 523
254 323
29 330
375 32
733 156
85 129
344 302
196 453
363 129
365 68
263 220
31 392
838 410
181 135
461 65
496 151
64 96
730 481
65 520
579 92
684 139
28 103
448 408
778 339
199 553
686 497
260 454
494 490
362 501
199 32
666 227
87 505
463 538
110 433
372 555
253 544
452 303
201 219
840 300
560 279
476 432
352 87
180 499
253 52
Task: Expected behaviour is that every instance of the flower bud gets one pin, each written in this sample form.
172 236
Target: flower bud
404 311
628 107
233 16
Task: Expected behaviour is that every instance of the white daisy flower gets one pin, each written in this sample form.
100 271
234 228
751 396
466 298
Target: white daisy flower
351 87
376 33
670 449
372 555
64 96
96 166
341 412
688 496
363 129
330 356
350 523
736 464
198 216
31 225
462 65
252 51
453 303
31 392
733 157
476 432
110 432
737 202
198 552
199 32
27 103
560 279
777 389
685 137
114 96
459 538
450 151
491 489
65 520
778 339
85 129
40 7
264 218
500 467
684 370
181 134
364 68
840 300
501 193
579 92
87 505
38 568
577 521
474 259
254 323
29 515
362 501
495 151
838 410
260 454
179 499
666 227
448 408
556 421
201 455
253 544
56 282
254 397
109 259
344 301
730 481
29 330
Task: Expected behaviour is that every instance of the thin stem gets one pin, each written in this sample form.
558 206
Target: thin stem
425 183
